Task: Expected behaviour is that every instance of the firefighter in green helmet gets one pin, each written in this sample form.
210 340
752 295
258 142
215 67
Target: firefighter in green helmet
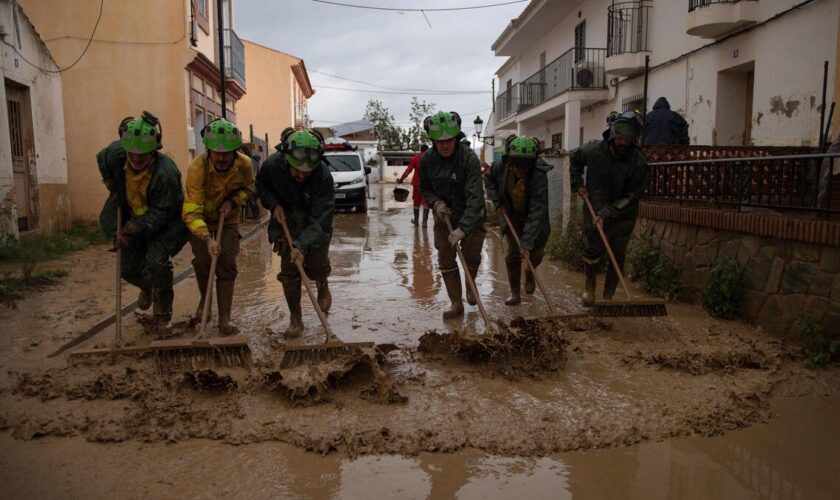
450 182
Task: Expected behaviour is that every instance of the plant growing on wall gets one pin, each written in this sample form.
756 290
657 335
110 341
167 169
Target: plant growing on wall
724 290
646 262
819 348
568 246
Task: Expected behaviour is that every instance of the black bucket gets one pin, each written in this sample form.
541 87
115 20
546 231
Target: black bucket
400 194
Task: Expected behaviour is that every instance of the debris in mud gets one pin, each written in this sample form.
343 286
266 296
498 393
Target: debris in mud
311 383
210 381
525 347
696 363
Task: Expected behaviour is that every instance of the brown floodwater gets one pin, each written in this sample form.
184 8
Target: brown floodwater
683 406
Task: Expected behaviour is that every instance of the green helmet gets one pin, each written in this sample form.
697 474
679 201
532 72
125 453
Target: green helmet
522 148
139 136
443 125
222 136
303 150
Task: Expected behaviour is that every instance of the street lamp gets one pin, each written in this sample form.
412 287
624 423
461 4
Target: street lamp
478 123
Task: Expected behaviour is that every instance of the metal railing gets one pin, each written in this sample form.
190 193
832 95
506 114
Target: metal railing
234 57
793 182
558 76
699 4
627 27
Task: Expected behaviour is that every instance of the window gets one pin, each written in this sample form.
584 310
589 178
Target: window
557 142
633 103
580 41
201 5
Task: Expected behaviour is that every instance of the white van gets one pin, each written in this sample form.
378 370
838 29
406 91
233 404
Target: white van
349 174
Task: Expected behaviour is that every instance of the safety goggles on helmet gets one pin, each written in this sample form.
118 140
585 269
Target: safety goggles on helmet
307 154
627 124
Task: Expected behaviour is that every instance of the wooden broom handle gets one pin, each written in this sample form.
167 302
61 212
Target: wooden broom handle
528 261
208 292
307 283
607 245
118 338
469 279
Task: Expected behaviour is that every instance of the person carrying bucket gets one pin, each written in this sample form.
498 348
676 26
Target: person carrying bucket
416 197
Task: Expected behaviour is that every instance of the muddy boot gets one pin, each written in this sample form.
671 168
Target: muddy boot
425 217
470 296
591 272
452 280
324 295
610 284
200 278
295 320
416 214
530 283
513 272
224 293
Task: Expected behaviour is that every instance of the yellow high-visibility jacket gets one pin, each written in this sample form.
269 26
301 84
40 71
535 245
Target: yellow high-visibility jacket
208 188
136 185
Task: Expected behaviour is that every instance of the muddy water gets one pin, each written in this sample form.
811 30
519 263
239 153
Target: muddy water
789 458
627 387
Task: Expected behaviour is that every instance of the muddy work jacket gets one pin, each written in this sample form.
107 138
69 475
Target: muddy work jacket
157 212
537 227
456 181
109 160
309 206
207 189
612 182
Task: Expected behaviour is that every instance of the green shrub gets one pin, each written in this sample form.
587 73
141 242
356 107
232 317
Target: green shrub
818 348
724 290
647 263
567 247
38 248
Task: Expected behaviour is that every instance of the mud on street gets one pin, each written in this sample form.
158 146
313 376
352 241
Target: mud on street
621 382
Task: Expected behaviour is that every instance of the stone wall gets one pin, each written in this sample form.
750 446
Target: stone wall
786 278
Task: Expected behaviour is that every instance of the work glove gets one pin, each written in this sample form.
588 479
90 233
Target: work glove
441 209
456 236
400 180
279 214
213 247
296 256
525 255
607 213
582 191
500 211
226 208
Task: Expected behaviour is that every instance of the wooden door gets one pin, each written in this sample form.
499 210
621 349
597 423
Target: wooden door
16 107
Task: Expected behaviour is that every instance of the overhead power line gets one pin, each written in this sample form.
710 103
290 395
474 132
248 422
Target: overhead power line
389 88
90 40
442 9
402 92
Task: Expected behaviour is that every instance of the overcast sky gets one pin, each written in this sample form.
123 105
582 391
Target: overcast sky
390 49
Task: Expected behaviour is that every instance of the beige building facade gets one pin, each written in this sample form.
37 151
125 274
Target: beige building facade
156 55
34 195
278 89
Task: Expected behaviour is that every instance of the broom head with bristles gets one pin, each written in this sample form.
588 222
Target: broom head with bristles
629 308
188 355
300 354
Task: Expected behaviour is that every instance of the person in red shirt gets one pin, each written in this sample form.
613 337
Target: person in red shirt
416 197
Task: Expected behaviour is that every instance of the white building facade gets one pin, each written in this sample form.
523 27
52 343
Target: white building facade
742 72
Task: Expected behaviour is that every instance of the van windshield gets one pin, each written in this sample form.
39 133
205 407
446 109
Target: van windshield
343 163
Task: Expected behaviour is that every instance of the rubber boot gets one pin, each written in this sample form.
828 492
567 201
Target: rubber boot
416 214
513 271
470 296
295 318
324 295
452 280
425 217
162 316
224 294
591 272
530 283
610 284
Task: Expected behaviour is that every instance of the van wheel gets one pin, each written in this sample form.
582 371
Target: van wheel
362 208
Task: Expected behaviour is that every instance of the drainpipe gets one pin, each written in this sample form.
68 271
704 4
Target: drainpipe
221 26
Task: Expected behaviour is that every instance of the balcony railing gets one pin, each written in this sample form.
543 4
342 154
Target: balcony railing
699 4
578 68
627 27
795 182
234 58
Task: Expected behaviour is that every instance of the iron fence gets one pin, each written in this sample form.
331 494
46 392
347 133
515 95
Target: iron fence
627 27
234 57
699 4
577 68
792 182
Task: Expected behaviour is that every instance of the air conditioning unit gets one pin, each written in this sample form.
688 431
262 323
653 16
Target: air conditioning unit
588 74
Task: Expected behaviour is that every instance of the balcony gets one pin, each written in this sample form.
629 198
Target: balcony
627 36
715 18
577 69
234 58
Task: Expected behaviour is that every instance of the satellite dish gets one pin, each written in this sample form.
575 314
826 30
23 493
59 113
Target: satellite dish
584 77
